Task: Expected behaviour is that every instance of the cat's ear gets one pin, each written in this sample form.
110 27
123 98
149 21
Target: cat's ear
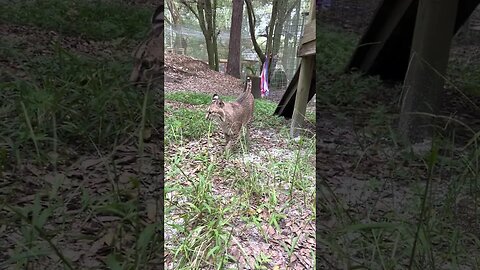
216 99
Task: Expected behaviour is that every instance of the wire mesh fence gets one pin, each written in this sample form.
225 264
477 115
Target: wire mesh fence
355 15
469 33
189 40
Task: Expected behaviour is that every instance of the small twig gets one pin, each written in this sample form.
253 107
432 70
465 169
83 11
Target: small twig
245 255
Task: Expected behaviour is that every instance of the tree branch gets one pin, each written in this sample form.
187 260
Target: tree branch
190 8
251 23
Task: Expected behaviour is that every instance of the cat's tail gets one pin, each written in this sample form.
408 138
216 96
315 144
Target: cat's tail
246 91
248 87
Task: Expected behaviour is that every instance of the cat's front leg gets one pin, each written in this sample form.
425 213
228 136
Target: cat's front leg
228 141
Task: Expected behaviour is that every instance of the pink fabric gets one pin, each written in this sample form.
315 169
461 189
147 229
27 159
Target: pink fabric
264 79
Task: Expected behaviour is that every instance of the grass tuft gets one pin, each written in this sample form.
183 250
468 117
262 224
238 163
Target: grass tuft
97 20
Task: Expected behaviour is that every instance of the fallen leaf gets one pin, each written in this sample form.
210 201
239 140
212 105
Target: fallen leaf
152 210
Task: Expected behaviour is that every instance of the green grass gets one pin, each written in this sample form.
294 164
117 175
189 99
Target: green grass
429 221
199 219
334 48
185 124
192 98
190 123
99 20
61 108
78 100
465 76
263 115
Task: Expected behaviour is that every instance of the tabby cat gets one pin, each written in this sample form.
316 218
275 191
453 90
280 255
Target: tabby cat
232 117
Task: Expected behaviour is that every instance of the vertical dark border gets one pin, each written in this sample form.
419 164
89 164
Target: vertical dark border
161 195
317 150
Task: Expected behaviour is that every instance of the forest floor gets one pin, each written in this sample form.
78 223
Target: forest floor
250 210
78 188
383 205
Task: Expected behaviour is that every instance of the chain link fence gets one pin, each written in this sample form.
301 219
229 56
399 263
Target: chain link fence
189 40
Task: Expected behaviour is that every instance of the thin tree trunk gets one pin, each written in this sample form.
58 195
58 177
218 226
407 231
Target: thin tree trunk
215 33
277 33
206 14
271 27
234 57
251 24
176 22
283 12
286 52
295 38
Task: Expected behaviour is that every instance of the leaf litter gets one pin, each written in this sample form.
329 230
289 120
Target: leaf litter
248 241
88 195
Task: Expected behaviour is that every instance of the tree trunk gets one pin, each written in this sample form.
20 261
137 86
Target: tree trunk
213 27
274 30
234 54
271 27
206 16
215 53
424 80
211 33
210 51
176 22
286 53
297 23
283 13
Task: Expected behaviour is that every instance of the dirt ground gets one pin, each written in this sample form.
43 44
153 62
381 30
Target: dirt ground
372 178
85 237
298 216
187 74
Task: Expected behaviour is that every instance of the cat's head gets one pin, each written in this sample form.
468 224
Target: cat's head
216 110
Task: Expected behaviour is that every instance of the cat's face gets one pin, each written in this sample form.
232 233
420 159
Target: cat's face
216 110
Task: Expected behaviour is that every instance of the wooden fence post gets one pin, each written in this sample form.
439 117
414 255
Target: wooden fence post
423 85
301 97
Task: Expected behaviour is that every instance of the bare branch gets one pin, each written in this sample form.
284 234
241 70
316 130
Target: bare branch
251 23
